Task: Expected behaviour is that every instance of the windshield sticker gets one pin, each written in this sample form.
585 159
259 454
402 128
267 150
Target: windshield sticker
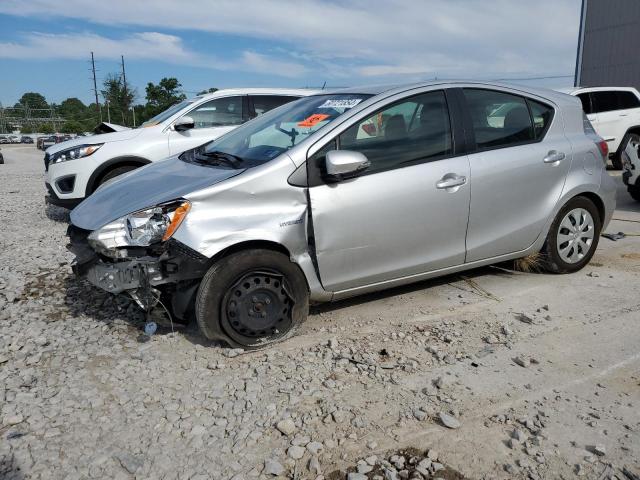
313 120
350 103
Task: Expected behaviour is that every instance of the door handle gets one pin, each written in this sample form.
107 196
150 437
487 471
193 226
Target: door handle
554 157
451 180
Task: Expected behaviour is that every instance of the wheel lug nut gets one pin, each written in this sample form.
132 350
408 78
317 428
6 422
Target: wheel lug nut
267 301
254 299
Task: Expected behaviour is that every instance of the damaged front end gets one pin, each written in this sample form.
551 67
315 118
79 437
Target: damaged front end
136 255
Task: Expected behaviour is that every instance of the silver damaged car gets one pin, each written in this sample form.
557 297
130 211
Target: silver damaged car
344 193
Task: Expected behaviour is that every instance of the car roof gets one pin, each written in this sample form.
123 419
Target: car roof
552 95
223 92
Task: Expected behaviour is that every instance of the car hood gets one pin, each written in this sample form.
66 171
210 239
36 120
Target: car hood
103 138
145 187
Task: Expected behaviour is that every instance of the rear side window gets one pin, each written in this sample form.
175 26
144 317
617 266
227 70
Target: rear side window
499 119
264 103
605 101
585 98
627 99
413 130
542 115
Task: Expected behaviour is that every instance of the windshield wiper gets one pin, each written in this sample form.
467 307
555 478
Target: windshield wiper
218 156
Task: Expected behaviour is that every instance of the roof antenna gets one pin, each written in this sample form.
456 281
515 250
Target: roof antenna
324 85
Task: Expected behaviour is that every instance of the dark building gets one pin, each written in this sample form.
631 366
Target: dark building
609 44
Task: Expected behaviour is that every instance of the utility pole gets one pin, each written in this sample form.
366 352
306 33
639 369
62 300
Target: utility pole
95 86
133 109
124 86
108 110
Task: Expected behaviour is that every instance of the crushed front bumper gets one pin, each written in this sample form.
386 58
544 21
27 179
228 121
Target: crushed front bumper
177 269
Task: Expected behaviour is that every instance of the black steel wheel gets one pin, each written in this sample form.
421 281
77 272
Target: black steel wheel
252 298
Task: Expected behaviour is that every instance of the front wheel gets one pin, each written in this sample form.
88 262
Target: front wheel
634 191
252 298
573 236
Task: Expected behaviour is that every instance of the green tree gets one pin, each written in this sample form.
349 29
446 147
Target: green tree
208 90
32 100
119 98
45 128
72 126
26 129
72 108
162 96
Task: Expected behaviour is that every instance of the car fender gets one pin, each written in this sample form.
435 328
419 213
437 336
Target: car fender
257 206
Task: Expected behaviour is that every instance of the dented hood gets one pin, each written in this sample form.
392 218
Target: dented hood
145 187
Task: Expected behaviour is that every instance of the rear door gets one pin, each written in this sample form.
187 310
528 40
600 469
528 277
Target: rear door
407 213
518 170
212 119
610 117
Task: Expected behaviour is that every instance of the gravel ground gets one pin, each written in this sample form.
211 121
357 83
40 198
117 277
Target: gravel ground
492 374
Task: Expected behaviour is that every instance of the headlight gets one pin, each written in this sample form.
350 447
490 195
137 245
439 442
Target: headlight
142 228
75 152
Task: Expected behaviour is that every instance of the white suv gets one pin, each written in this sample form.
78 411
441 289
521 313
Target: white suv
76 168
614 113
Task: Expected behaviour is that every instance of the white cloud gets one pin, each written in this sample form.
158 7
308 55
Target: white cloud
143 46
358 37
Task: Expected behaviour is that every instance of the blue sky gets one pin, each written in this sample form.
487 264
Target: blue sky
45 45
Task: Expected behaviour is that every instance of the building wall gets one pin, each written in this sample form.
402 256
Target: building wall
611 44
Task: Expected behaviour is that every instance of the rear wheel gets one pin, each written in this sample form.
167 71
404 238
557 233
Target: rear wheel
634 191
573 236
252 298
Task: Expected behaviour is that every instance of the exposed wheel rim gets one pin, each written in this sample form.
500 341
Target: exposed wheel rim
575 235
258 305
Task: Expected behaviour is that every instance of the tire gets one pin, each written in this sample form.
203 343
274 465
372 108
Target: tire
580 244
252 298
116 172
616 160
634 191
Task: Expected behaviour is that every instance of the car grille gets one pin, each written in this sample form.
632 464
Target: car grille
46 162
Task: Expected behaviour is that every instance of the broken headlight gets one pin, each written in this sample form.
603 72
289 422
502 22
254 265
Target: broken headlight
140 229
73 153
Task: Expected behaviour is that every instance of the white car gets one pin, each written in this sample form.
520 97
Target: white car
76 168
614 112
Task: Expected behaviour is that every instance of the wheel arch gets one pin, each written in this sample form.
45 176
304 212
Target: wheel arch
597 201
634 129
111 164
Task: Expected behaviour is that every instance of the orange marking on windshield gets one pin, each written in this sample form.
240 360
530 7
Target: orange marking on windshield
313 120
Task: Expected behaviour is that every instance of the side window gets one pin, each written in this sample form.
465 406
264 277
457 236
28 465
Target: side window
604 101
585 98
217 113
499 119
264 103
542 115
411 130
627 99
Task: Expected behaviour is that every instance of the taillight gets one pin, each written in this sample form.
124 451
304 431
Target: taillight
604 150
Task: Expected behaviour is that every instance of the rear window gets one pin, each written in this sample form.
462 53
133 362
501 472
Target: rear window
605 101
499 119
627 99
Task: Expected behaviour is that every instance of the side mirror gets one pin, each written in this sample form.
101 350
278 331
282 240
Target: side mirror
184 123
343 164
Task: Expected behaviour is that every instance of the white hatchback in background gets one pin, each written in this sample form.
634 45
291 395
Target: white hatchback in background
614 112
76 168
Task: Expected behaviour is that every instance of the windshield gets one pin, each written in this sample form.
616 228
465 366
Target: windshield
275 132
169 112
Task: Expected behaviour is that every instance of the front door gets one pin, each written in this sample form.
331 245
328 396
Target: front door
407 213
212 119
518 171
